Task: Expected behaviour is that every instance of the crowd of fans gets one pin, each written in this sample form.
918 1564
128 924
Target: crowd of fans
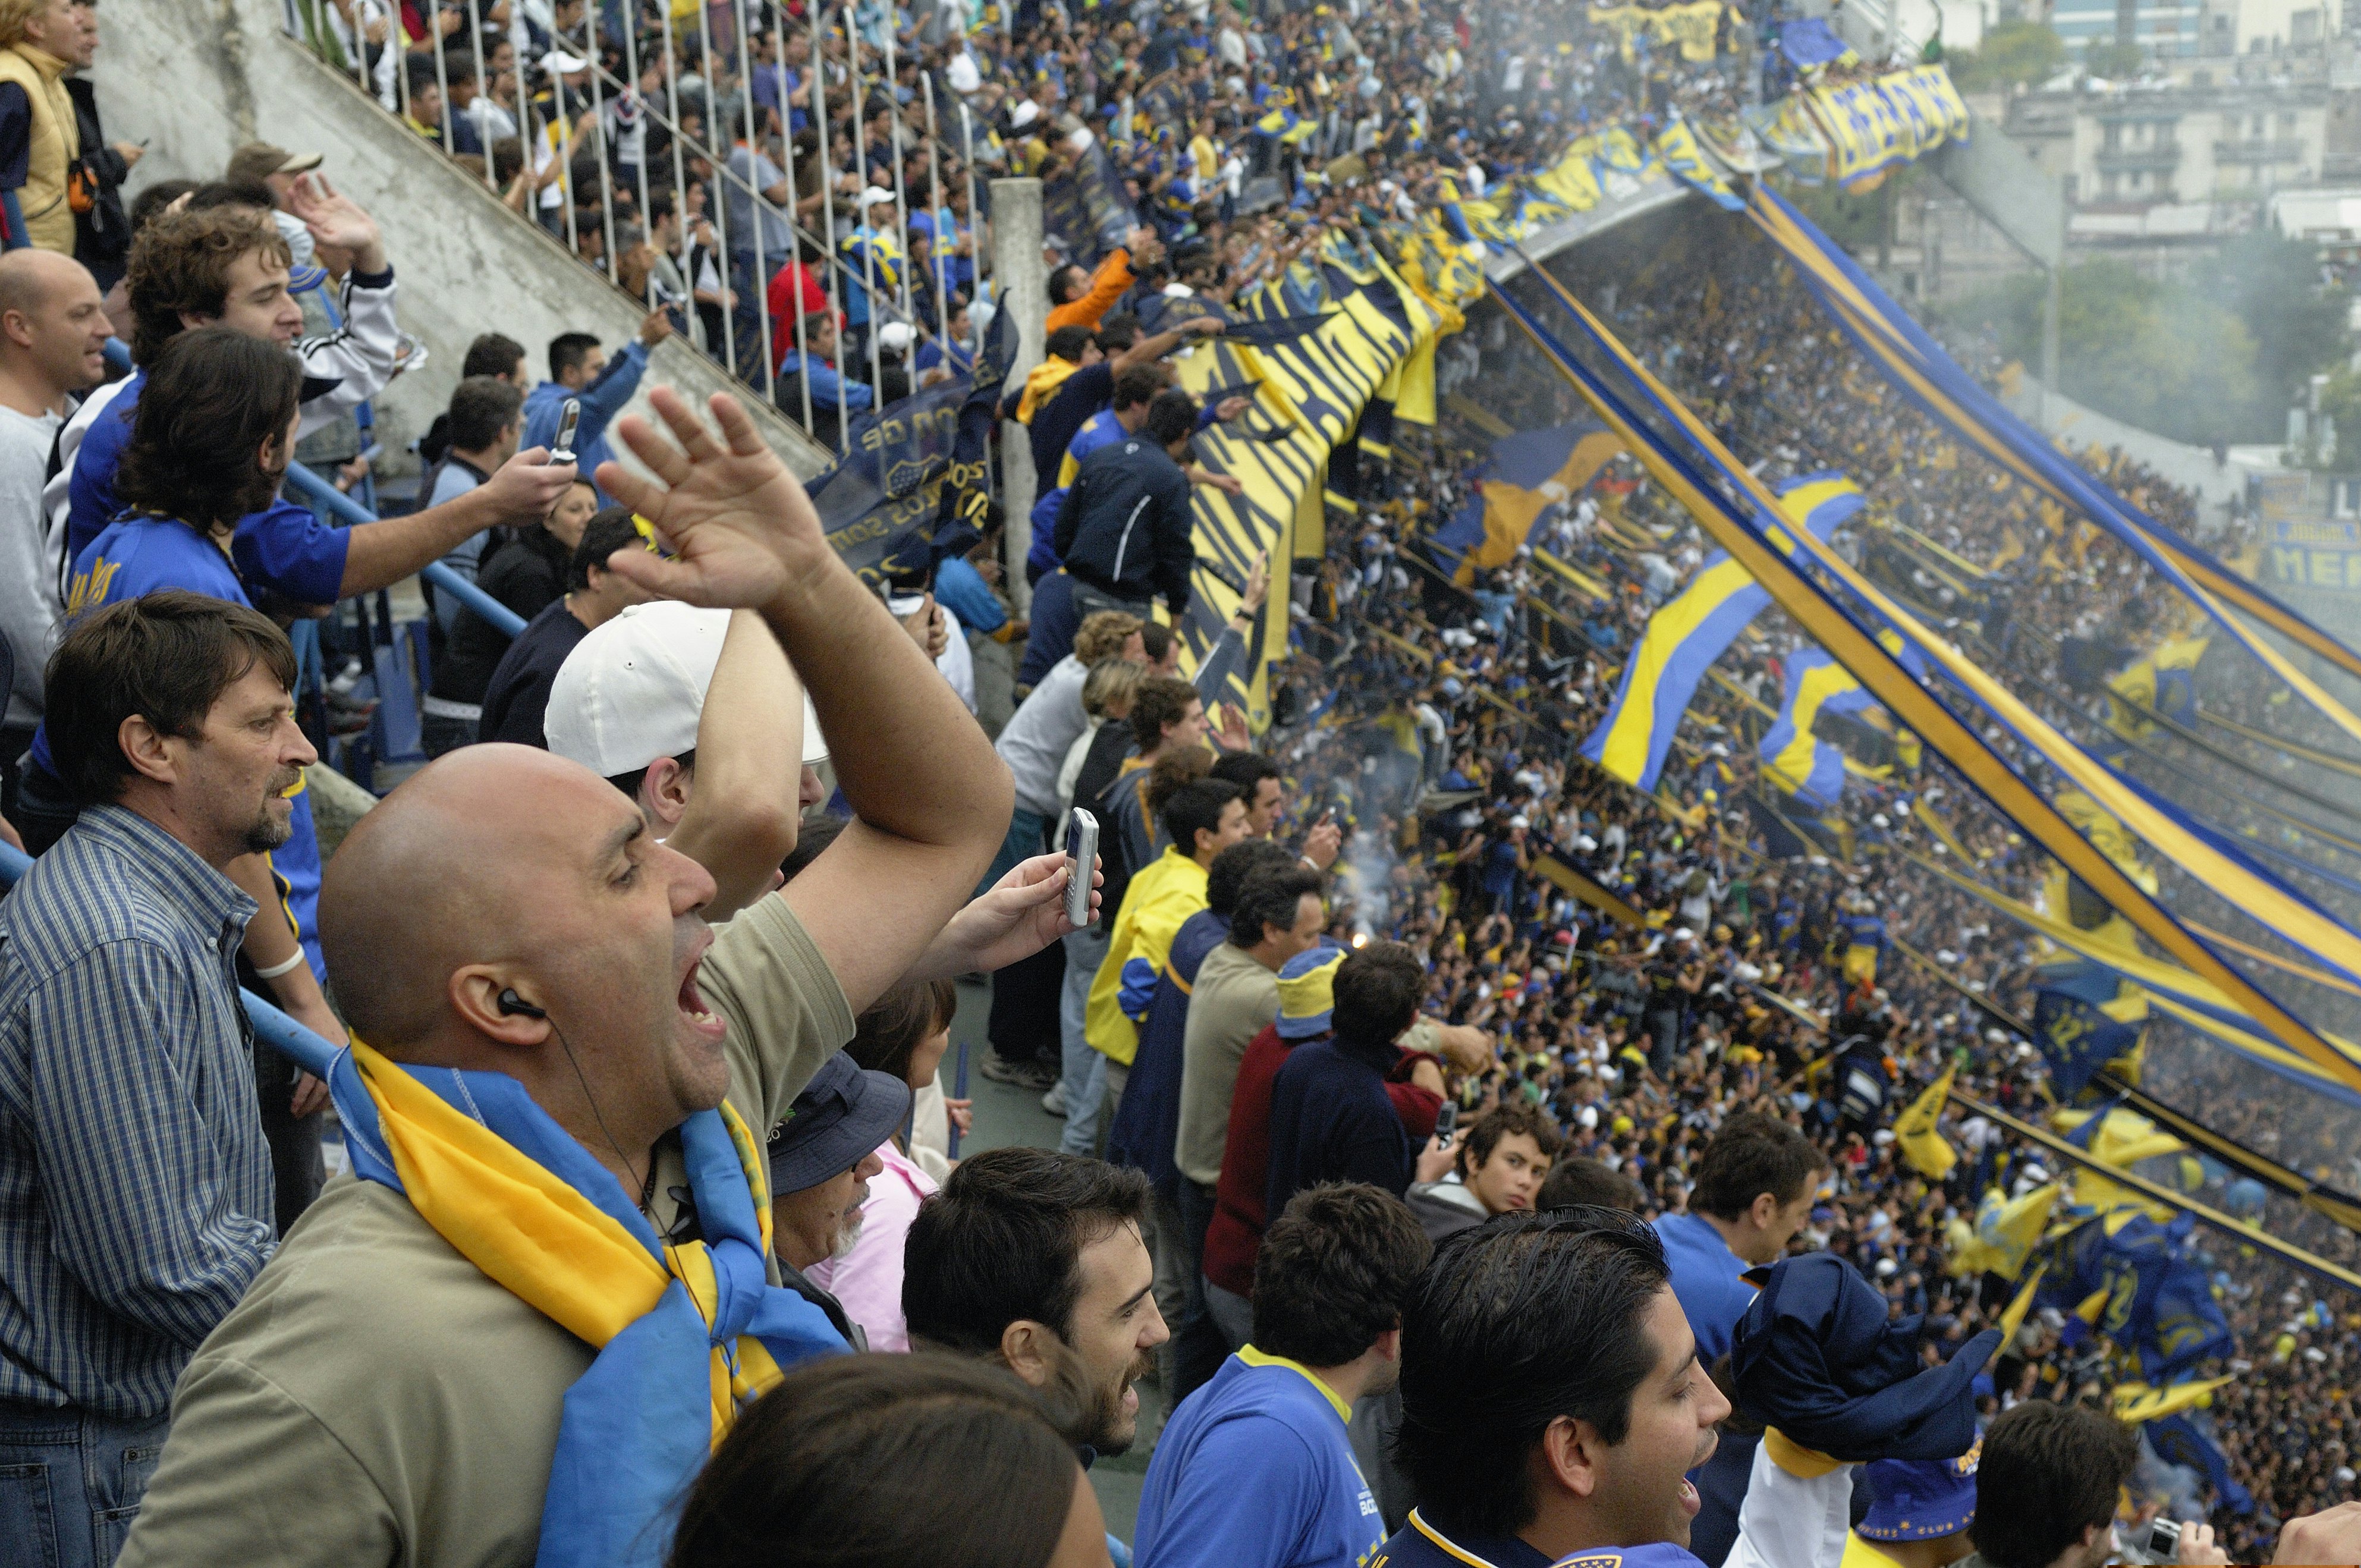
1433 1104
804 192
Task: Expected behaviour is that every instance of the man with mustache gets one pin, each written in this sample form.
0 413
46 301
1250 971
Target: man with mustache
821 1159
135 1183
1551 1400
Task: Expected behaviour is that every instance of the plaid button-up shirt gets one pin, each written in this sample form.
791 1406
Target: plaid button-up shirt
135 1184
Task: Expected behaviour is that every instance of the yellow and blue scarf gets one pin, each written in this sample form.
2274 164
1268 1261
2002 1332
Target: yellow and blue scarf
687 1334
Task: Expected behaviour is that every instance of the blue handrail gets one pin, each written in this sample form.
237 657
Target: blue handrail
498 615
271 1026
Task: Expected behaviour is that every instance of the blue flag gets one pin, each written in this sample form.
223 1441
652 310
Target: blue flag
2073 1025
2178 1440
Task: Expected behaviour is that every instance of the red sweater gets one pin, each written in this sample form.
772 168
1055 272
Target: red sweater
793 294
1235 1235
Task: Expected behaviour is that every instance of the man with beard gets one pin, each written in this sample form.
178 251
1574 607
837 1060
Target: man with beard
821 1158
135 1184
1035 1260
215 441
1551 1400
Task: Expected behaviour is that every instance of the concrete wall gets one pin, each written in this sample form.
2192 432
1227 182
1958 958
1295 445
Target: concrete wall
196 78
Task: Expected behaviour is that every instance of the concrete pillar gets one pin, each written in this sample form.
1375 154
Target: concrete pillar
2050 307
1021 285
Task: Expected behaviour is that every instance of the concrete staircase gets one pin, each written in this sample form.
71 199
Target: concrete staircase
196 78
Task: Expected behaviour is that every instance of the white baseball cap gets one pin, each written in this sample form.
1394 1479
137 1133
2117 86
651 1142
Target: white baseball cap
876 196
634 688
895 336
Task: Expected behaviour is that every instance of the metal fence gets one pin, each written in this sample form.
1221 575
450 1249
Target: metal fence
694 151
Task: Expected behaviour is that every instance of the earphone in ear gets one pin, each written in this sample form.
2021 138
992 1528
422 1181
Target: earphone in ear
510 1005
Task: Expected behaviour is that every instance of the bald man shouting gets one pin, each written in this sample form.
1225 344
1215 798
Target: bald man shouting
53 333
514 1336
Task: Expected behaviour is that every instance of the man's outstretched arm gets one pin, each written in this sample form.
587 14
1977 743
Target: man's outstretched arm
521 493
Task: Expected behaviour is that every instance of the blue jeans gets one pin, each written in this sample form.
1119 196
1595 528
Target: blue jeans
1198 1349
71 1483
1084 951
1101 1094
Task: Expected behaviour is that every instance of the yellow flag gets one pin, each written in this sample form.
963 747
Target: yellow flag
2137 1402
2014 1318
2007 1230
1922 1146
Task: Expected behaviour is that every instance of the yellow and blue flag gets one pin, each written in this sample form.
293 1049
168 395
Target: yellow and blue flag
1839 626
1677 146
1919 368
2165 683
1529 472
1690 630
2160 1301
1917 1131
2007 1230
1795 758
2178 1439
2084 1016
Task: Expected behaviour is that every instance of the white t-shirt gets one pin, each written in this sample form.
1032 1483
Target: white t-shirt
30 605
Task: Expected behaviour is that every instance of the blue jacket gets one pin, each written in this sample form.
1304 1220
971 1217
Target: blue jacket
1124 526
825 378
602 400
1148 1122
1331 1120
1101 429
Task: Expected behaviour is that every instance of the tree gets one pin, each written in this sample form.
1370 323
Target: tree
2158 356
2112 59
2012 54
2274 285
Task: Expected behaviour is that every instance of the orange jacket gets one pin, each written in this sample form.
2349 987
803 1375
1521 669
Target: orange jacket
1107 285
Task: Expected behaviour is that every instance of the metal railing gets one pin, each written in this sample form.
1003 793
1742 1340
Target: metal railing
323 494
587 129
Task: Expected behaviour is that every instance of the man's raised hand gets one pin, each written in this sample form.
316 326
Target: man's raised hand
741 529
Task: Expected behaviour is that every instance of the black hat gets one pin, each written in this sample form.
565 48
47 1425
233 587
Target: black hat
844 1112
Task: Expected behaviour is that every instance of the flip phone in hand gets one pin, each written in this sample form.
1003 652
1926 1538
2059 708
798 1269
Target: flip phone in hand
1082 855
567 418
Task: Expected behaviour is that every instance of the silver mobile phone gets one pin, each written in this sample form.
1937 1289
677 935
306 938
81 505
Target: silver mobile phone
1081 854
562 451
